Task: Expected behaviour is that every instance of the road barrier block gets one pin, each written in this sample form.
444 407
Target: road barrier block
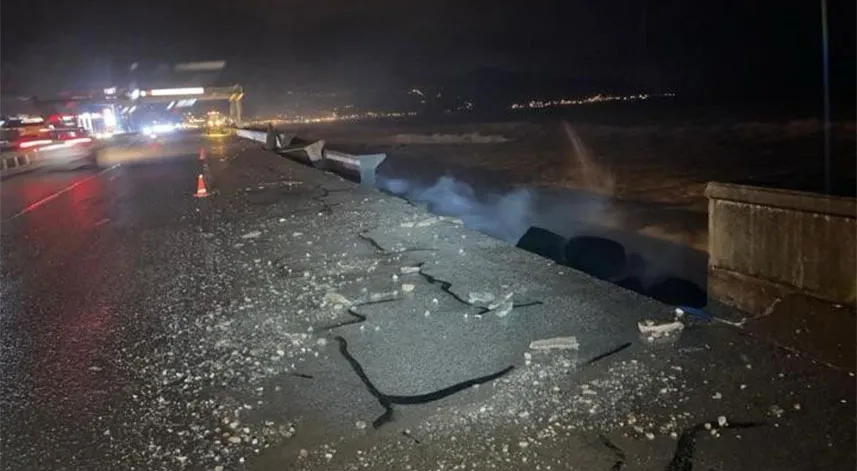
258 136
312 153
361 168
358 167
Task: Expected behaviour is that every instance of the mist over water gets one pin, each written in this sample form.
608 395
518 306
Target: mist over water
506 217
584 224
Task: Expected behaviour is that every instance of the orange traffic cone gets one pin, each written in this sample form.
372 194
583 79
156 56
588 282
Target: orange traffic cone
201 192
202 153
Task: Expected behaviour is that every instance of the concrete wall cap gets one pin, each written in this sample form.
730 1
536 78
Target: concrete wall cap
784 199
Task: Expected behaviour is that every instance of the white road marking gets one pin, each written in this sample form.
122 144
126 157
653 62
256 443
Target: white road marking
53 196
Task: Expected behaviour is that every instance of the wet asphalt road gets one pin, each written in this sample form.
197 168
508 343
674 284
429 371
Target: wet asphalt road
73 242
145 329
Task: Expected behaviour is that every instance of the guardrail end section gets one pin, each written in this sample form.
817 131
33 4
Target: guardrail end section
368 166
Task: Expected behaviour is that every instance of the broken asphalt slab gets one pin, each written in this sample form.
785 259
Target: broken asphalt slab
432 337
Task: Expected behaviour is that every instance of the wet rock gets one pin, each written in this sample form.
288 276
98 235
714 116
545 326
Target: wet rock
600 257
543 242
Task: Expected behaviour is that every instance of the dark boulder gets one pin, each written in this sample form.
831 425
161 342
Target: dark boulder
543 242
600 257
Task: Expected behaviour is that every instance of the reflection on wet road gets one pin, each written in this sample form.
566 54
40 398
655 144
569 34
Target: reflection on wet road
71 251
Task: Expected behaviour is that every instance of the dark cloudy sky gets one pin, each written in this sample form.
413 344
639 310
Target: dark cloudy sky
273 45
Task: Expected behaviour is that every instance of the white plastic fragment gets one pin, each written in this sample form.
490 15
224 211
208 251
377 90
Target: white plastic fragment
654 331
408 288
556 343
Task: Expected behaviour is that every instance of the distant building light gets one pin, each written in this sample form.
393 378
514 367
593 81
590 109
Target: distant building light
110 91
177 91
134 94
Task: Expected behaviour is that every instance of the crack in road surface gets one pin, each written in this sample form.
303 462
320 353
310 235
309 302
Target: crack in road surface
302 375
446 286
617 452
374 243
683 457
387 400
359 317
607 354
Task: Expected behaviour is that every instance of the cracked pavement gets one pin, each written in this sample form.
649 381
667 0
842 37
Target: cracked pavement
271 325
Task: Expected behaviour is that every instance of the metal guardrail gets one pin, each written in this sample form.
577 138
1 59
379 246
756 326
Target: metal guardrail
12 163
361 168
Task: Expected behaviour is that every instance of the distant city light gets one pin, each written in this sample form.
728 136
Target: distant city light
110 91
599 98
332 117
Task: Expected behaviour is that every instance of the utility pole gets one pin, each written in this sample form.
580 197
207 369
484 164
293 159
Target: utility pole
825 60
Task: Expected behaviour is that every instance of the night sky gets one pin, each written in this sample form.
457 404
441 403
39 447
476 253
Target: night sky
706 48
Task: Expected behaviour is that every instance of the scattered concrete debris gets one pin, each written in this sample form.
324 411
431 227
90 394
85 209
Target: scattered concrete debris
652 331
556 343
251 235
776 411
503 309
480 298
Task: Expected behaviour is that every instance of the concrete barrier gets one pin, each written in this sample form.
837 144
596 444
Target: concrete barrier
361 168
311 153
253 135
283 140
766 244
